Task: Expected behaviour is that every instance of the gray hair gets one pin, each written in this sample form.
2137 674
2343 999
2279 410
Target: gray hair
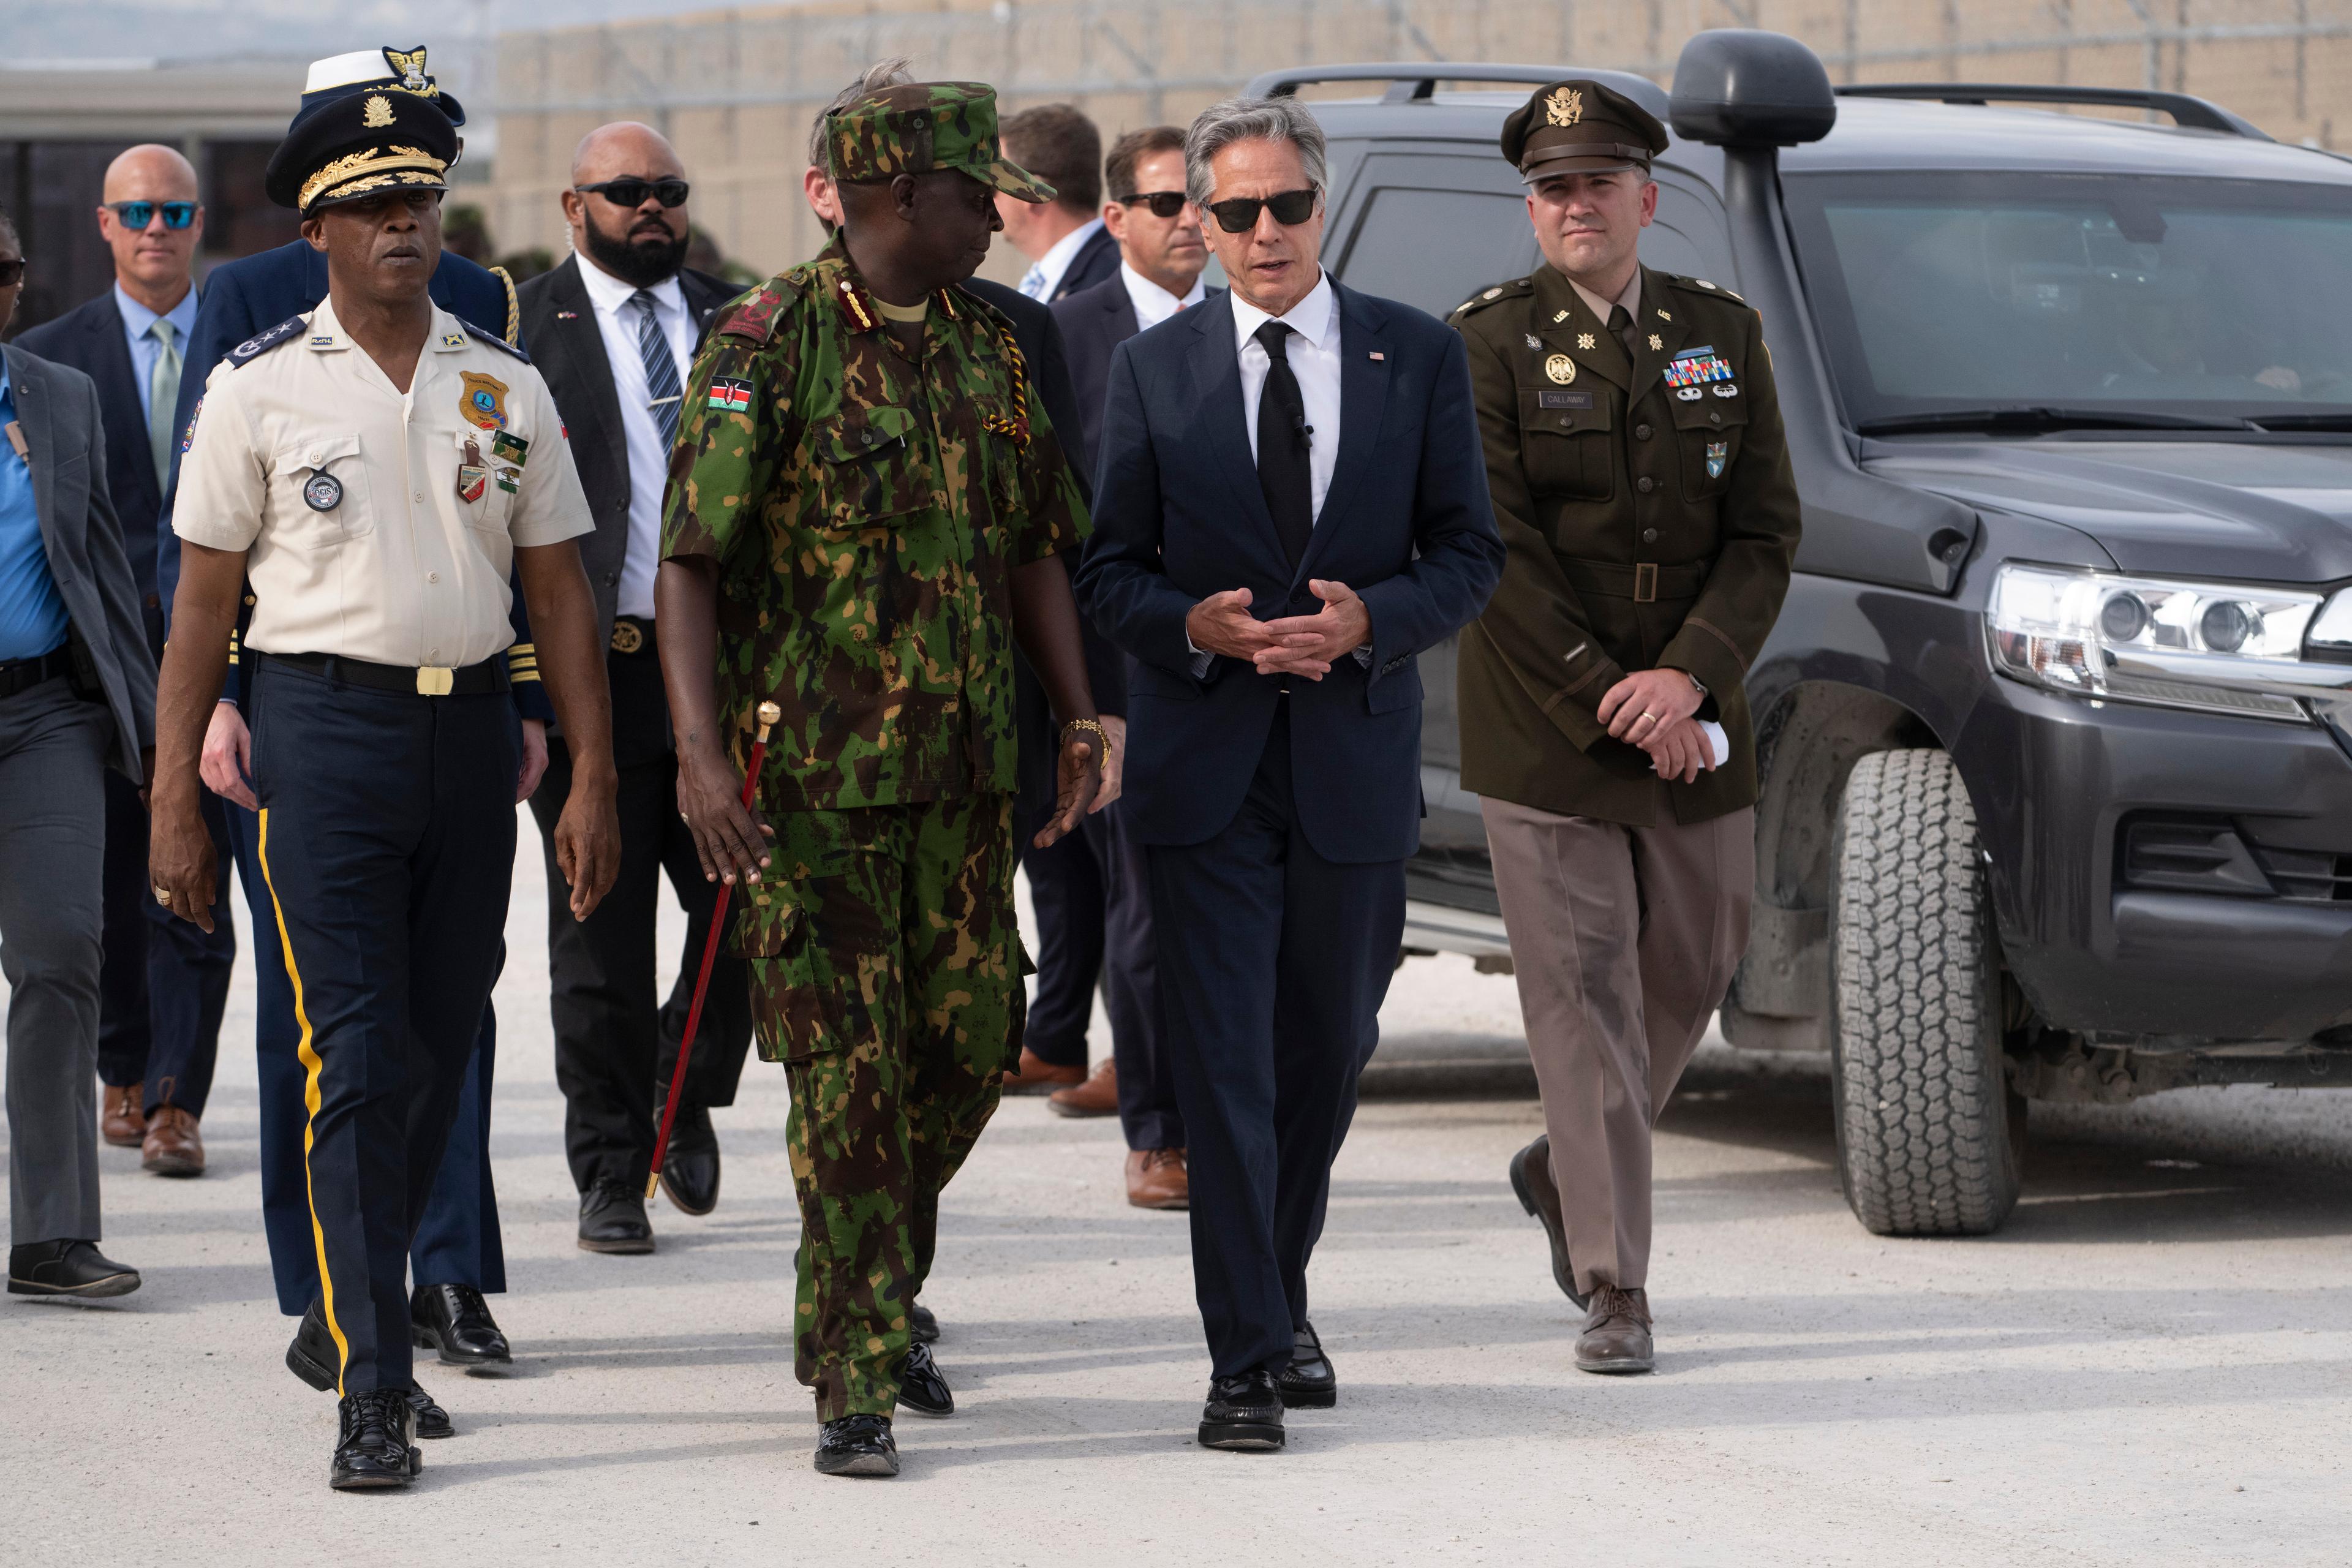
1249 119
896 71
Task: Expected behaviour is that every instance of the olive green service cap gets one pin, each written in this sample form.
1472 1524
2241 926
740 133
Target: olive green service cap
923 126
1580 127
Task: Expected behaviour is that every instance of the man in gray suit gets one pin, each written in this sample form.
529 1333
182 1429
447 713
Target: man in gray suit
77 696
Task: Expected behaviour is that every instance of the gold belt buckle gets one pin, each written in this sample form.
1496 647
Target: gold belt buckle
435 680
627 637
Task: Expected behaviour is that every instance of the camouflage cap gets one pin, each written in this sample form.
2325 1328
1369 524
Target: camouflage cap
922 126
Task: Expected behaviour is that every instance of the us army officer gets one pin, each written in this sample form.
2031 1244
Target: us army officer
1635 456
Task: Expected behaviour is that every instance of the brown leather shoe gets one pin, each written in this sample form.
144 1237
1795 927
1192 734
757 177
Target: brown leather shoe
1155 1179
121 1120
1035 1074
1616 1336
1540 1195
172 1146
1098 1096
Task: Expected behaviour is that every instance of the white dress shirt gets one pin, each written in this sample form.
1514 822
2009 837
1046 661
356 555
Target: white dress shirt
139 326
1040 281
616 319
1152 303
1314 354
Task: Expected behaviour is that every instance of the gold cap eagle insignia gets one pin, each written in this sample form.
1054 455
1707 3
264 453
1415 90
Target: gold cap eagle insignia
1564 107
409 67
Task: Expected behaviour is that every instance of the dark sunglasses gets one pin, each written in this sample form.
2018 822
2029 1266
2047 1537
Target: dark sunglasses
1239 216
137 216
1164 204
12 273
632 192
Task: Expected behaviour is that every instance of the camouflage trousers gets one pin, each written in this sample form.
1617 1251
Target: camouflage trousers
885 966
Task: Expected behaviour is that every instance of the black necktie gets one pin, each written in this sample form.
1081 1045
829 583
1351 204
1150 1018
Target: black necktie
1283 471
1621 325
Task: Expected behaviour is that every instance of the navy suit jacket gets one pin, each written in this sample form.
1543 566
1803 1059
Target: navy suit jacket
1097 260
90 338
1179 516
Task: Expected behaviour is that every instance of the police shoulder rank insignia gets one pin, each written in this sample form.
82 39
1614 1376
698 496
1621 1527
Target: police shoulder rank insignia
453 340
484 401
482 336
472 475
1697 367
508 445
729 395
261 344
1717 454
1561 368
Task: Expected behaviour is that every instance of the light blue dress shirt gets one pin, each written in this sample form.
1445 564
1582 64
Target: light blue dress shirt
137 325
32 615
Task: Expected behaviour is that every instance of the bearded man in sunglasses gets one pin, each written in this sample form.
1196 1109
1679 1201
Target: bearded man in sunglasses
1290 507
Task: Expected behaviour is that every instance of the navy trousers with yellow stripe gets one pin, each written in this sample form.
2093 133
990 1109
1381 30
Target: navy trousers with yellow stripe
386 841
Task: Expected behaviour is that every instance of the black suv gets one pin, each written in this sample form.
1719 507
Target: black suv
2054 728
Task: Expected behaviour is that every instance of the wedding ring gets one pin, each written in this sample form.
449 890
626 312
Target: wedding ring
162 894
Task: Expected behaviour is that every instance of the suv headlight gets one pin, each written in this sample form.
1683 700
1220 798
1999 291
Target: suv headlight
2224 647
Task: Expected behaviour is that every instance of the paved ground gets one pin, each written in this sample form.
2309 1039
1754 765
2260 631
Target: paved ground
2148 1366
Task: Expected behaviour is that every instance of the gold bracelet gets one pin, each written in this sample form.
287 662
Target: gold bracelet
1102 737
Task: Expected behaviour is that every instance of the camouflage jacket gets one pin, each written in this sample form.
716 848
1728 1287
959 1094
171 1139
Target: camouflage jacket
866 511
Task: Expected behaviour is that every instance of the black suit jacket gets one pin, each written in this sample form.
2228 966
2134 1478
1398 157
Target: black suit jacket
90 338
1097 260
560 334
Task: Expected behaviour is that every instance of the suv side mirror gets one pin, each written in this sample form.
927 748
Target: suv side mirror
1740 87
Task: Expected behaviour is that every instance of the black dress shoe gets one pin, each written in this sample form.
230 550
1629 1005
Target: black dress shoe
1531 1179
1308 1382
689 1173
1244 1413
372 1443
857 1446
312 1355
75 1269
455 1321
921 1389
432 1421
613 1220
924 1327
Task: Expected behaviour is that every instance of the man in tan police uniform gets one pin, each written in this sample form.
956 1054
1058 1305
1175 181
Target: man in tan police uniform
378 468
1635 456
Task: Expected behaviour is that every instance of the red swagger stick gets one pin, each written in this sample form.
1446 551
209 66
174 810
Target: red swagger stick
768 713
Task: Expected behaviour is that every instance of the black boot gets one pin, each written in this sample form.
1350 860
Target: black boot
75 1269
373 1446
857 1446
613 1220
455 1321
689 1173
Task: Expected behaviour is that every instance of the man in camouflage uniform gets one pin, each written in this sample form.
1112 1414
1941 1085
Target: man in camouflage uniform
865 506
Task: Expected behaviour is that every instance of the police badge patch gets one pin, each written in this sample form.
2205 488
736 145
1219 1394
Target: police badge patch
484 401
1717 454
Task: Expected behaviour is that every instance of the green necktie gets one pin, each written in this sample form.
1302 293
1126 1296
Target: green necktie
162 397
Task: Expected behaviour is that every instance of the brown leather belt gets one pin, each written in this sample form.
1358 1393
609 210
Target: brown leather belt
1645 584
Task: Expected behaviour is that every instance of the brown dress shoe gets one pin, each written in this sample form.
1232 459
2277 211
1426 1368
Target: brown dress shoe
1540 1195
1616 1336
1035 1074
1155 1179
172 1146
121 1121
1098 1096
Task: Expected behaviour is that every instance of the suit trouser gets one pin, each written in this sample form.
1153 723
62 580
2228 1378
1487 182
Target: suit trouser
457 1240
1274 963
53 747
165 983
386 841
615 1042
1065 887
1624 940
1148 1112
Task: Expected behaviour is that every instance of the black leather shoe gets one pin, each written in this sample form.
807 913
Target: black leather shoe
613 1220
922 1325
1308 1382
373 1446
74 1268
312 1356
455 1321
689 1176
921 1389
432 1421
1244 1413
857 1446
1531 1179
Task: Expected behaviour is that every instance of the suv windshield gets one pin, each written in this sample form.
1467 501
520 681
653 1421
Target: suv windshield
2027 300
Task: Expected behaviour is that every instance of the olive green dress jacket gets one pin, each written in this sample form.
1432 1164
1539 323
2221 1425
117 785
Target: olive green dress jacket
1649 515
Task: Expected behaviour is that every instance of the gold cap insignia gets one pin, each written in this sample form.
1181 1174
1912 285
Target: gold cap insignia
1564 107
409 66
378 112
1560 369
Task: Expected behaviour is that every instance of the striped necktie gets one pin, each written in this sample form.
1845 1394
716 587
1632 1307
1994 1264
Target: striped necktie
1032 282
661 371
163 396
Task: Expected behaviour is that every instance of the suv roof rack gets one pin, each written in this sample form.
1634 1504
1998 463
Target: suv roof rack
1415 81
2187 110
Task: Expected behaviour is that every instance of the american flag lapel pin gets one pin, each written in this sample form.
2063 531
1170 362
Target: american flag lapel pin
1377 354
567 315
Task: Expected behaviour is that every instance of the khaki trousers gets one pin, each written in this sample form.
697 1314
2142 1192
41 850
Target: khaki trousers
1624 940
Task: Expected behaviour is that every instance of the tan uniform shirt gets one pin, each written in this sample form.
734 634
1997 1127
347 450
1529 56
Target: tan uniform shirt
381 526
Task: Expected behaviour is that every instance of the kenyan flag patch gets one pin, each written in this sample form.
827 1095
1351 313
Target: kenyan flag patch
729 396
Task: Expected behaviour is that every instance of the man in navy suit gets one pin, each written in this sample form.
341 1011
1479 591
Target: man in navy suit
1065 242
1290 505
165 981
457 1255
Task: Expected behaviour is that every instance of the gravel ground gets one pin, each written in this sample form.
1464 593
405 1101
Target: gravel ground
2148 1365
